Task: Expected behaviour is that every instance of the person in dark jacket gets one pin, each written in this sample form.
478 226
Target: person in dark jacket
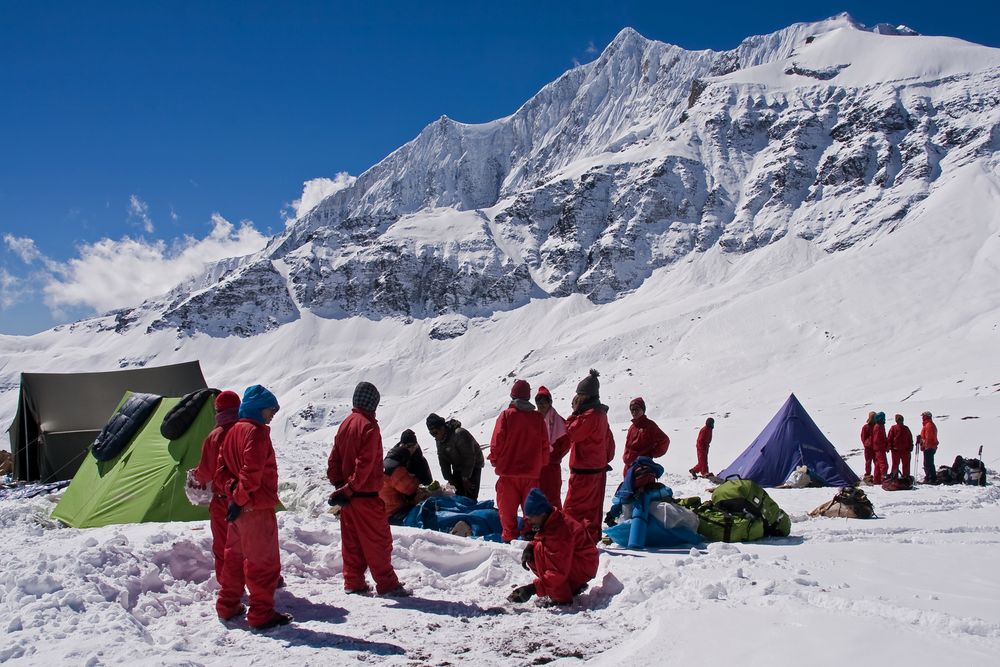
227 413
880 448
518 450
901 445
644 437
459 455
405 471
355 470
248 471
701 448
592 448
562 554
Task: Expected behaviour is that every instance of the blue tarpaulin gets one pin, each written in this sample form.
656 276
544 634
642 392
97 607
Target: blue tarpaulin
441 513
791 439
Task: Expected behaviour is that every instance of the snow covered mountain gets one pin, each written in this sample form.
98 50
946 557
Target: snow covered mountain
824 131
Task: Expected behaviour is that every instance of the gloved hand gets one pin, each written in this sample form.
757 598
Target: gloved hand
528 556
609 519
522 593
341 496
233 512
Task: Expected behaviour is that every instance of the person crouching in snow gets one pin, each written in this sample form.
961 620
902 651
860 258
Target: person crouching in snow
592 448
880 446
355 470
644 437
901 445
459 455
405 469
550 479
518 450
248 470
562 555
227 409
701 447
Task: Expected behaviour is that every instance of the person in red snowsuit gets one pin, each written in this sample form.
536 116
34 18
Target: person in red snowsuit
880 446
928 447
866 442
901 445
518 450
701 447
227 407
592 448
355 470
550 479
644 437
562 555
405 469
248 471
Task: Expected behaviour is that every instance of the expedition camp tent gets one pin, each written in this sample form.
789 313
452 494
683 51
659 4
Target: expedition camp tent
60 414
144 481
791 439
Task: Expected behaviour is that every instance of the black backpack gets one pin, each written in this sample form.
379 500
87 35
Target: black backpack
857 500
975 472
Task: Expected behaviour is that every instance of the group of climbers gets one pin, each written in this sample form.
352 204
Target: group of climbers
898 442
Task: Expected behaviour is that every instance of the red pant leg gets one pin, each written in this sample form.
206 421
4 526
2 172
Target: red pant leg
549 582
220 529
881 465
366 535
869 458
261 562
905 459
702 467
550 482
511 493
231 580
585 501
895 462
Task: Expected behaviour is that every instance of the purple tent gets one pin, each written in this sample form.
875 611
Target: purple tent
789 440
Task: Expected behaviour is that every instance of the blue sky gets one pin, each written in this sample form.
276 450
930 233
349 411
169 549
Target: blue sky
137 135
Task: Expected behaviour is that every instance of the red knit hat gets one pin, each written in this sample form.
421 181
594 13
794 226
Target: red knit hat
227 400
543 391
521 390
637 402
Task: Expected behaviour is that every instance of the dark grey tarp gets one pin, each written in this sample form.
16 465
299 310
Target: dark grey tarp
60 414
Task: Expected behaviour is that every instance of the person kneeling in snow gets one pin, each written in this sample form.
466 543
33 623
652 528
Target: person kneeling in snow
562 555
405 471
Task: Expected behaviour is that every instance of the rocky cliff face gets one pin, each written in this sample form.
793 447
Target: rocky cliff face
826 131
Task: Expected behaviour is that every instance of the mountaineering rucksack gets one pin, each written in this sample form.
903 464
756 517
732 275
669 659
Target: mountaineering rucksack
975 472
717 525
744 496
849 503
898 483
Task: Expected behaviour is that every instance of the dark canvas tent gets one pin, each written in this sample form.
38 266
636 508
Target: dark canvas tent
60 414
791 439
145 480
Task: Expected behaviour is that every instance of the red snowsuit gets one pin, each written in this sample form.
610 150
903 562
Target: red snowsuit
204 473
550 478
355 466
518 450
880 444
592 447
701 447
866 442
246 460
565 558
928 435
644 438
398 489
901 445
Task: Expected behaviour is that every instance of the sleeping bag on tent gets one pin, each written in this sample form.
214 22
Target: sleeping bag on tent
142 482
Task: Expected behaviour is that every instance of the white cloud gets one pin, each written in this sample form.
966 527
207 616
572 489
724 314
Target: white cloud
314 191
113 274
591 49
23 247
139 210
12 289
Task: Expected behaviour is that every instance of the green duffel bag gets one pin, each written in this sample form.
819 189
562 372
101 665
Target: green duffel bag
717 525
744 496
691 502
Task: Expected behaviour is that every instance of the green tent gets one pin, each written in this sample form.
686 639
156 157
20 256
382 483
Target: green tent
144 482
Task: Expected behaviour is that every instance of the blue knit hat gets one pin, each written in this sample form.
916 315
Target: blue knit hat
536 503
255 399
880 418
